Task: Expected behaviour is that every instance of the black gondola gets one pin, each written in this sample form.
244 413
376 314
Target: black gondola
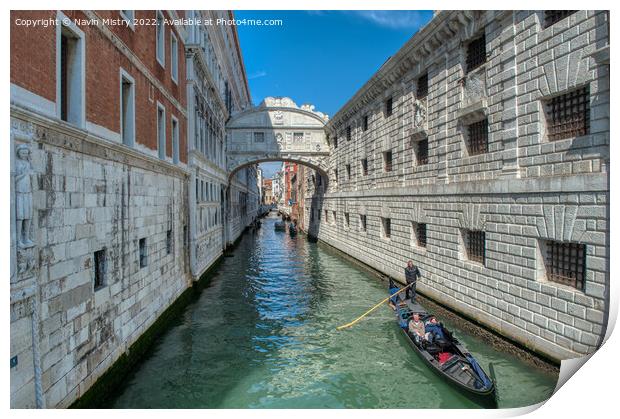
446 357
280 226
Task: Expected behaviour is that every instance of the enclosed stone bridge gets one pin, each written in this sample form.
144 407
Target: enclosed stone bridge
278 130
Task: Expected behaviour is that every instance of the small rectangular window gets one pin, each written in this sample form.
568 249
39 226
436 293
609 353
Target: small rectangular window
362 222
554 16
335 142
259 137
387 227
174 57
298 137
422 151
334 220
346 219
142 248
388 107
161 131
478 137
336 174
168 242
326 216
475 244
70 84
100 269
127 110
348 171
420 233
568 115
365 123
175 140
476 53
387 161
565 263
365 167
422 86
159 38
348 133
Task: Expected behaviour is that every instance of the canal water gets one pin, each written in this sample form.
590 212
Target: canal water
263 335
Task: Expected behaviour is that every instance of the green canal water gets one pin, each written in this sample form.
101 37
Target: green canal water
263 335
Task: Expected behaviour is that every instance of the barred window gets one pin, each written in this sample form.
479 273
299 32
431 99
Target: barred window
336 174
478 141
100 268
566 263
362 222
346 219
554 16
348 171
568 115
326 216
142 252
335 142
422 86
298 137
365 123
348 133
388 107
475 245
168 242
422 151
387 161
333 217
259 137
365 167
387 227
420 232
476 53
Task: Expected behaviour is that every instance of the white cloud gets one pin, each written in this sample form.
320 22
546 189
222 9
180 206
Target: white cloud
396 19
257 75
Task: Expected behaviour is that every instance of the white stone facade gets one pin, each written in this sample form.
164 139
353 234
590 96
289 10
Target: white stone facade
524 190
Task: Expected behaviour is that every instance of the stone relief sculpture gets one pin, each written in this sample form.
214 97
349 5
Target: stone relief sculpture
419 114
23 197
473 88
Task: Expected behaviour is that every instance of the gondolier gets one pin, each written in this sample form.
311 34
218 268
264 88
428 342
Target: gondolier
411 276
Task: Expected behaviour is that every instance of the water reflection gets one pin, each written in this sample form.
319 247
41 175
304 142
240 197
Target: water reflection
262 335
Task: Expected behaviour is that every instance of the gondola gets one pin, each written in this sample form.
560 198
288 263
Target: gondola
280 226
446 357
292 229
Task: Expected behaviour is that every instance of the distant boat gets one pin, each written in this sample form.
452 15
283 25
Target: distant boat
280 226
447 357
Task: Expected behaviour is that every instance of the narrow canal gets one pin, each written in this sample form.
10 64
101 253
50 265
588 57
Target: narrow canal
263 335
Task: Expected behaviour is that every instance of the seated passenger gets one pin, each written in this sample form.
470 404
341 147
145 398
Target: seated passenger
416 327
433 330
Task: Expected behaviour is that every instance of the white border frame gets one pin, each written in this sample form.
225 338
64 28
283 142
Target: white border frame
162 62
174 58
159 148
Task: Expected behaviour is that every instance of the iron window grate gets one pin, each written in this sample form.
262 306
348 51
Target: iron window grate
478 137
348 171
554 16
422 87
363 222
476 53
566 263
346 219
476 246
365 123
568 115
365 166
388 161
423 151
100 269
387 227
348 133
421 234
388 107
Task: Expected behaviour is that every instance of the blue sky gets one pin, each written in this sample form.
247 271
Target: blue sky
321 57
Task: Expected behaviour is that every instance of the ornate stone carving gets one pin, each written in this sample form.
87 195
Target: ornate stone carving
23 197
474 88
278 118
419 114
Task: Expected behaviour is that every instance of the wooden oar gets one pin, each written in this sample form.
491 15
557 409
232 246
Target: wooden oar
344 326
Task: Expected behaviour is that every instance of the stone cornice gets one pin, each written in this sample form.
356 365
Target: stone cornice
80 141
593 182
422 46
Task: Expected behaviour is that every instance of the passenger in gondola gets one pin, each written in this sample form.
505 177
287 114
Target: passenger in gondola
416 328
433 330
411 276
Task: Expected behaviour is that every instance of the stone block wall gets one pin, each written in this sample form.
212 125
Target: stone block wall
525 190
90 195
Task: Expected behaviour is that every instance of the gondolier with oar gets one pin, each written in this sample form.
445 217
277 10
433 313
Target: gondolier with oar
411 276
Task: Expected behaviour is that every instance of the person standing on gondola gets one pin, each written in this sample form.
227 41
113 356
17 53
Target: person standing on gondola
411 276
